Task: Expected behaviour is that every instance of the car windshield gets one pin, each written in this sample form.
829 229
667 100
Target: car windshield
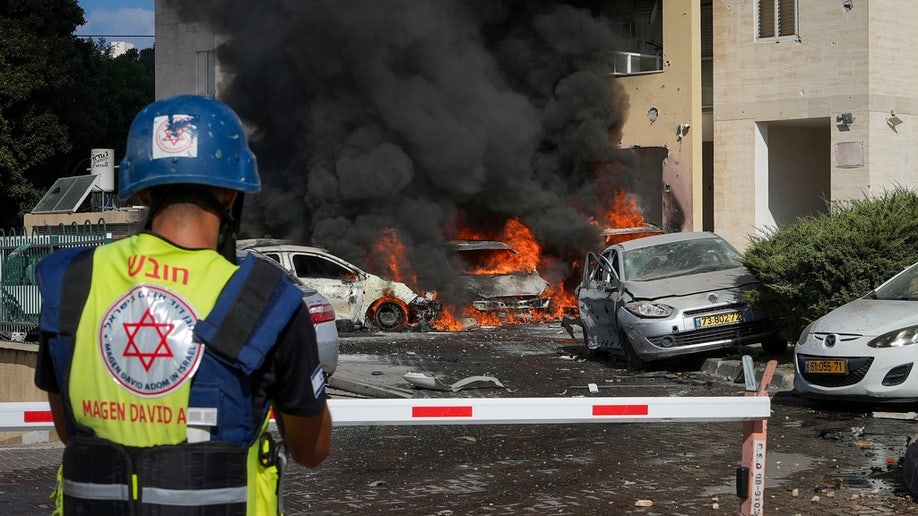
902 287
680 259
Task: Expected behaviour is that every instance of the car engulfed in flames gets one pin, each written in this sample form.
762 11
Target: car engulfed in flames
496 279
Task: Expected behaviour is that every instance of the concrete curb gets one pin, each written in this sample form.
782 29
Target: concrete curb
732 370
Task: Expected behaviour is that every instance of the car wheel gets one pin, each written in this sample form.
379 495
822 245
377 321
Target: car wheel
389 316
774 345
632 361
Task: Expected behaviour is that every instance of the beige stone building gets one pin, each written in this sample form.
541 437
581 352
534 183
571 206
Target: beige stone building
814 100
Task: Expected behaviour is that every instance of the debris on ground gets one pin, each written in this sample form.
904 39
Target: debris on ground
430 381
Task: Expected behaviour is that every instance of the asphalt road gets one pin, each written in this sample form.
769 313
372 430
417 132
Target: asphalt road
821 459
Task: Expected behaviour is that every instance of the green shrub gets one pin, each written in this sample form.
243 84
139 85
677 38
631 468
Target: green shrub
821 262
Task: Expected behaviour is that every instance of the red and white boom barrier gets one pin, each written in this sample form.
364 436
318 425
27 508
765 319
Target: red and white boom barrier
486 411
753 410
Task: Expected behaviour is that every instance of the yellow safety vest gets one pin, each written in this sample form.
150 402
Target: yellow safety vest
134 356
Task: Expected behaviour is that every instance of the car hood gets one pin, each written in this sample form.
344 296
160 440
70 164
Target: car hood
692 284
505 285
376 287
866 316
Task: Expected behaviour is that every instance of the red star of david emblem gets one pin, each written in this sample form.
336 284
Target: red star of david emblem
162 348
175 132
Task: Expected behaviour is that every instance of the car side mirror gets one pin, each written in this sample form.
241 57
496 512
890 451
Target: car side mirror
607 286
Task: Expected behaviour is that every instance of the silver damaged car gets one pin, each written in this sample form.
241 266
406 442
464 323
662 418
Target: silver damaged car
663 296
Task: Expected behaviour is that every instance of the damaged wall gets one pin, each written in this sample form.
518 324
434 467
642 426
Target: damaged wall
844 57
666 112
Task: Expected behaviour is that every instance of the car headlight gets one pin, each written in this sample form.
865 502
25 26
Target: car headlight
896 338
648 309
804 333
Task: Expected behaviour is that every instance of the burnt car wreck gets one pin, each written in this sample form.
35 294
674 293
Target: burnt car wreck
358 297
492 276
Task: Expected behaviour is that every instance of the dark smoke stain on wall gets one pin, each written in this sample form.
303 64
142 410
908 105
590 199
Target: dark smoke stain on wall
422 115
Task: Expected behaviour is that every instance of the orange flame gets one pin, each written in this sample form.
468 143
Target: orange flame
529 258
623 213
517 236
393 258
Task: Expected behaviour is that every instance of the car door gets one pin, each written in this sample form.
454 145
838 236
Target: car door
340 284
598 299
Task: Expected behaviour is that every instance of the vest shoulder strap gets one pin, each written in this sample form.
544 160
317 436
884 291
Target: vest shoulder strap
251 311
64 278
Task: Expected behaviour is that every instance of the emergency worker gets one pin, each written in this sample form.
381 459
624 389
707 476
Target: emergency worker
162 356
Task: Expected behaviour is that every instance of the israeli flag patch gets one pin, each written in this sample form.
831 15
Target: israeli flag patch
318 381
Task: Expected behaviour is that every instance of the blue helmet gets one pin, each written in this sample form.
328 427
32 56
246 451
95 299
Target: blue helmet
187 139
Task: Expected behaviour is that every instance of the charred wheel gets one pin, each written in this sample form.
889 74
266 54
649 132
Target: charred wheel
389 315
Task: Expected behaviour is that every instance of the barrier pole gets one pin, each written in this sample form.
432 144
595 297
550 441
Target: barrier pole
468 411
751 477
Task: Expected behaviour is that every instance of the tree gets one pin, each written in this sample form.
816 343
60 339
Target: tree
38 53
60 96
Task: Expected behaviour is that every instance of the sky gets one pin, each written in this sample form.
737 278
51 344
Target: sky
112 19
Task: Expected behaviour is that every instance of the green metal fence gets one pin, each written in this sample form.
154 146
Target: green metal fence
20 252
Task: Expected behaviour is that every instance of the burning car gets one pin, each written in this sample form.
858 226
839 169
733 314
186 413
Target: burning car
669 295
496 278
616 235
357 296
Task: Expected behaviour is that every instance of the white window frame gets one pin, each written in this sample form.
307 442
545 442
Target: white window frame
205 81
779 31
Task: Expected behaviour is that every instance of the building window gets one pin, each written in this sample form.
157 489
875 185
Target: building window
207 63
776 19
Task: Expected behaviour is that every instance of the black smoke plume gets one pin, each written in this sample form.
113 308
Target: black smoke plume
422 115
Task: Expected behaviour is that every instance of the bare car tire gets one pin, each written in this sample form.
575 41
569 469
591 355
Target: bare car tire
632 361
389 316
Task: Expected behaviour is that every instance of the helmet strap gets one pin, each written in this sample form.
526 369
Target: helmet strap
229 227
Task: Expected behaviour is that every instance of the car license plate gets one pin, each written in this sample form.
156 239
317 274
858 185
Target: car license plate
718 319
827 366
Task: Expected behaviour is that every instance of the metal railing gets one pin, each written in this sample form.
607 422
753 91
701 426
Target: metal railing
20 252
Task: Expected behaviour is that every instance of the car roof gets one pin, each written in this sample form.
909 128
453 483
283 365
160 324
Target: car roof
272 244
666 238
646 228
308 289
478 245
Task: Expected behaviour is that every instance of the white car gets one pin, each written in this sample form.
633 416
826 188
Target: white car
323 319
864 350
356 295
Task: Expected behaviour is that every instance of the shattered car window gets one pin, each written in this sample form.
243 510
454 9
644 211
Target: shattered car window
679 259
314 267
